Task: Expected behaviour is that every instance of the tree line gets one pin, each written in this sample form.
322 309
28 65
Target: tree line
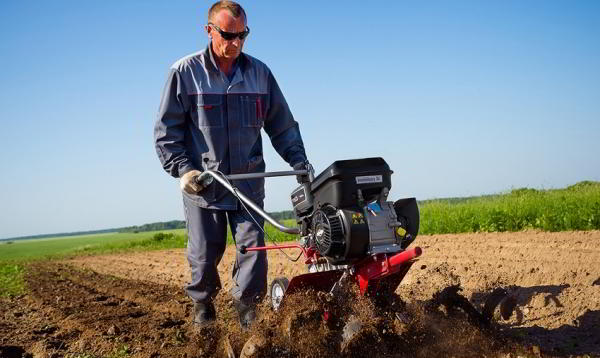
180 224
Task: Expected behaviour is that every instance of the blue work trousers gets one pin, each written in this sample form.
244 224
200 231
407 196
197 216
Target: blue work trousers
207 235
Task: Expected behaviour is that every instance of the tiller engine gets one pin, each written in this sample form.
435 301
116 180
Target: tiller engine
348 230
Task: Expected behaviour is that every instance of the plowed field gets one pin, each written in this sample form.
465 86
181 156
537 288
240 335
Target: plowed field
545 290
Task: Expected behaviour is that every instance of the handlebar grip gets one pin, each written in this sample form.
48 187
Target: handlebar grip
204 180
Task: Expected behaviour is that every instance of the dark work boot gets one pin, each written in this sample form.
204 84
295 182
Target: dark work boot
204 313
246 313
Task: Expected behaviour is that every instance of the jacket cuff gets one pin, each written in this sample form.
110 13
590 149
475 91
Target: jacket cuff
297 160
184 169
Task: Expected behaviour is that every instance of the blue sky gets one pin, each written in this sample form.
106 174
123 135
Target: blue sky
460 97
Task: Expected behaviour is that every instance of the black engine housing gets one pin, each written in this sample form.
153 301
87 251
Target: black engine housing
333 210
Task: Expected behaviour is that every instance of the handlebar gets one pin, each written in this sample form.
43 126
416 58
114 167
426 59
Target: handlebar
207 177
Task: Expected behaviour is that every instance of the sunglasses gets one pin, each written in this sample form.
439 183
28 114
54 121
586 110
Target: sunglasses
231 35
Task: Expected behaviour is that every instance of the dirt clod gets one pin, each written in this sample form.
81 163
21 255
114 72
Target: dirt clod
113 330
253 347
351 333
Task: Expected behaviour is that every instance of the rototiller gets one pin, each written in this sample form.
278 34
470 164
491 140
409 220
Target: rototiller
347 229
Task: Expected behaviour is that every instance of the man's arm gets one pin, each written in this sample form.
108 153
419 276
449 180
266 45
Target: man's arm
282 128
169 130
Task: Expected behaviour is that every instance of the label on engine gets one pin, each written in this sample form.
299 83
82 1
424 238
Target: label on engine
357 219
368 179
298 197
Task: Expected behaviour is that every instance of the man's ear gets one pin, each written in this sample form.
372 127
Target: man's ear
207 29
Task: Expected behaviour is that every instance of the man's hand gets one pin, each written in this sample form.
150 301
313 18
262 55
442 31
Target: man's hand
302 166
188 182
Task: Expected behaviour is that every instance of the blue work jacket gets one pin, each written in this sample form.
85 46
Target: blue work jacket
205 121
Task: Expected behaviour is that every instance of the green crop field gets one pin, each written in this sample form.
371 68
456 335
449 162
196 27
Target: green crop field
59 246
574 208
24 250
14 254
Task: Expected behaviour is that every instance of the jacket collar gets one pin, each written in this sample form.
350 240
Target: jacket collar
209 58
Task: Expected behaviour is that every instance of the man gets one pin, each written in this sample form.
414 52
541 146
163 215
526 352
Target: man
213 107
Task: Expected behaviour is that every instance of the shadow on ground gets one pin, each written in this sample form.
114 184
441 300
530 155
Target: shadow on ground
508 306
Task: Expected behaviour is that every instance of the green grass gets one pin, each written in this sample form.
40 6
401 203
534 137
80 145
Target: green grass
11 279
14 255
274 234
151 240
105 243
62 246
574 208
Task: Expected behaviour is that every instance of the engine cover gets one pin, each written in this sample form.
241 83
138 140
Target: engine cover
328 232
342 236
345 216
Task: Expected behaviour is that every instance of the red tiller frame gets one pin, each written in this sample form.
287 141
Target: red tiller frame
371 270
368 273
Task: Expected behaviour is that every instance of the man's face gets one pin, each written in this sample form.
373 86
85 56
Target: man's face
227 49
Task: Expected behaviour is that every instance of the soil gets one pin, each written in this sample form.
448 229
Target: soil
470 295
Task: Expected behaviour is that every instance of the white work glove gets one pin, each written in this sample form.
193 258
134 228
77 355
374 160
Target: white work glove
188 182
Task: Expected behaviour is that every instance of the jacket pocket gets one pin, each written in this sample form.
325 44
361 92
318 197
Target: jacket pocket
252 110
209 110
